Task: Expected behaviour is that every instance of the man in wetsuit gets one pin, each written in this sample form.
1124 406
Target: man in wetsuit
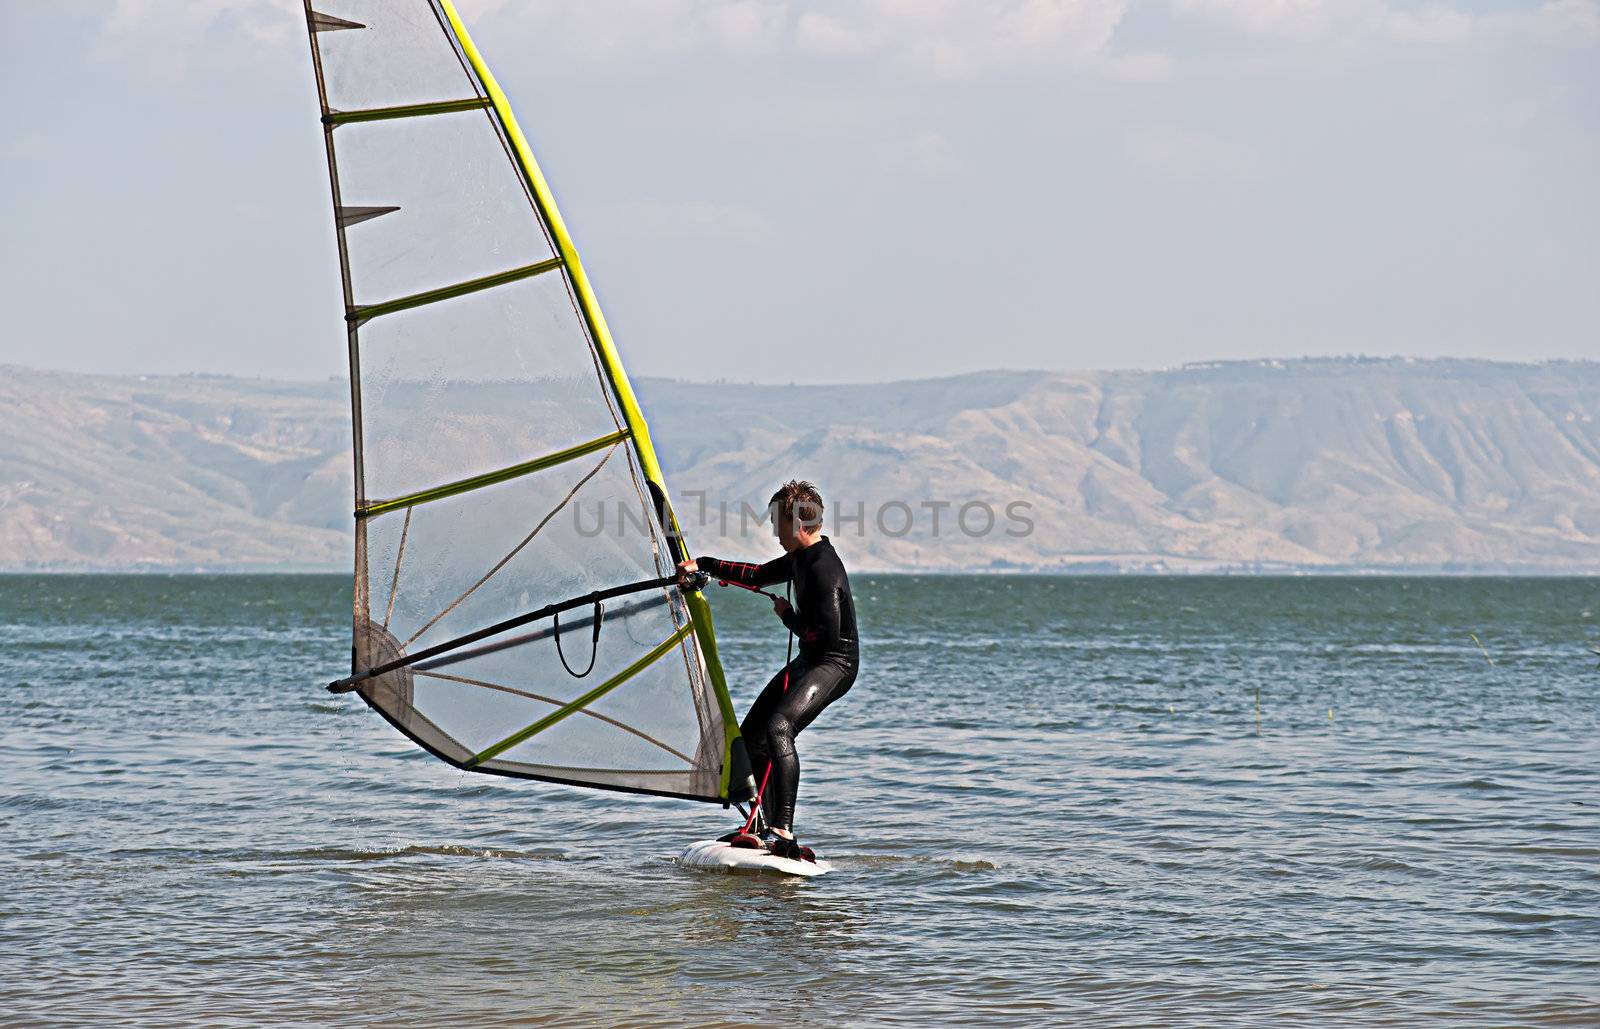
823 618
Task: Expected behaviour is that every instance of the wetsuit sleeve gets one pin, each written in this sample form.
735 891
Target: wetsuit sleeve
821 630
779 569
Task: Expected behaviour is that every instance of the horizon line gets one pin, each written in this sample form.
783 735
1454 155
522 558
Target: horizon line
1197 365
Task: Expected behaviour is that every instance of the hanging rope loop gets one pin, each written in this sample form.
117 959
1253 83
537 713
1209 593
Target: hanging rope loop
594 648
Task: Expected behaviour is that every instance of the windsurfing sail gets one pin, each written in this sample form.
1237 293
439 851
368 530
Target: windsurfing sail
514 605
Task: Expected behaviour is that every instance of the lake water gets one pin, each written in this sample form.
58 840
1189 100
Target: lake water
1048 799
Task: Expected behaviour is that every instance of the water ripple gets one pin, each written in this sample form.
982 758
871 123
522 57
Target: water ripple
1048 800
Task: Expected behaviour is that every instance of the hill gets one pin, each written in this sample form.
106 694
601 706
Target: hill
1311 464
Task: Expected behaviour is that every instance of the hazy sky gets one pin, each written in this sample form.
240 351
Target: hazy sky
859 190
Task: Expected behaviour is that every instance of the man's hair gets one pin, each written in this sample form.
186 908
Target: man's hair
800 501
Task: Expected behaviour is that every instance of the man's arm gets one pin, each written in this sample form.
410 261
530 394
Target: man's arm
779 569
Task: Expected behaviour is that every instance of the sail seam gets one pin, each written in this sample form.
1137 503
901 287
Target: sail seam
362 312
337 118
556 703
394 584
522 735
493 478
516 549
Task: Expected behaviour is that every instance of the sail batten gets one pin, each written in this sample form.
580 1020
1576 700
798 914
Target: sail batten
337 118
493 478
571 707
451 388
685 758
363 312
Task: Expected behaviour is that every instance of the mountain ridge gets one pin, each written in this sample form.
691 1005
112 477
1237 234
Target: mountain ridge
1321 464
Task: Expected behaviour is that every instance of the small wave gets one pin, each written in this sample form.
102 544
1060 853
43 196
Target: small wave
34 803
424 850
1541 850
1477 784
891 860
1384 864
1522 917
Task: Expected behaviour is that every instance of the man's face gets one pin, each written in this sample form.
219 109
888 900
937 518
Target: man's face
783 527
795 533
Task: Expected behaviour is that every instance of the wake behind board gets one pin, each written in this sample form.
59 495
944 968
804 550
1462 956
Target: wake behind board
715 855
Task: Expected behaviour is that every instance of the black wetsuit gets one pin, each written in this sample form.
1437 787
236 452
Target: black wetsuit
823 618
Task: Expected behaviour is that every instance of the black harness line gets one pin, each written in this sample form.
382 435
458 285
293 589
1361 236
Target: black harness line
594 651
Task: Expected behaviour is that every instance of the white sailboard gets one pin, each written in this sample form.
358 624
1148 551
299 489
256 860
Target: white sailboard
714 855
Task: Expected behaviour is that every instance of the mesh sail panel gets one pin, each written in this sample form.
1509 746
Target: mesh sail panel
476 383
502 466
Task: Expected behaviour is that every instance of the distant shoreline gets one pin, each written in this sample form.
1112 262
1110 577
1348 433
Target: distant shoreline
1333 362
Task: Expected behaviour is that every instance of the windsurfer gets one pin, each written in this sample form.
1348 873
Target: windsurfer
823 618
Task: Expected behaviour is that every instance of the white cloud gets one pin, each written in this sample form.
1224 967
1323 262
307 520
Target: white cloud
949 39
1287 18
621 32
1570 21
931 155
750 27
593 31
823 35
942 39
1174 154
1429 25
164 39
261 22
1141 66
693 219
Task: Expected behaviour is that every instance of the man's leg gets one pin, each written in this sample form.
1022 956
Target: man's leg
811 689
754 731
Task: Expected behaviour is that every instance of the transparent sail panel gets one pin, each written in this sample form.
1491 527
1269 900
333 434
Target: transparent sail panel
463 212
447 568
502 476
483 701
477 383
403 55
557 532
